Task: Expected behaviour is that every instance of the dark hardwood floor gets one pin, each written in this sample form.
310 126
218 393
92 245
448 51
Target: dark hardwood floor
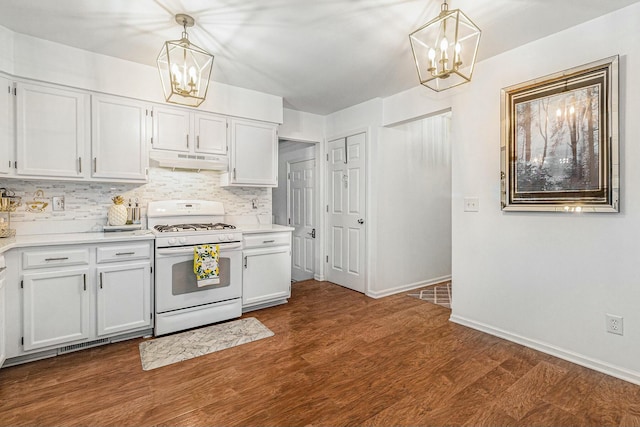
337 358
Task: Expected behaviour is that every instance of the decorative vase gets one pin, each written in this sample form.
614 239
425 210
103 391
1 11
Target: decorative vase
117 214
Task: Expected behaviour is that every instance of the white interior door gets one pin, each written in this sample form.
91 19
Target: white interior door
347 212
302 218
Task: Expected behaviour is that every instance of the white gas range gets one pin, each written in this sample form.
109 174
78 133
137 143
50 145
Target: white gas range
179 226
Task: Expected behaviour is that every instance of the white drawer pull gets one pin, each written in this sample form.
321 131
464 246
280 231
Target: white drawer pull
268 241
57 259
125 253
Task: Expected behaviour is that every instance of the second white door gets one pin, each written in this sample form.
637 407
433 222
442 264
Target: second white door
347 212
302 218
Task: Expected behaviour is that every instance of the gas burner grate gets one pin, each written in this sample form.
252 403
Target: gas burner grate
163 228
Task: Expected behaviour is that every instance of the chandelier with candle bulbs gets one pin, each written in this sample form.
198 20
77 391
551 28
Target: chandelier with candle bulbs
185 69
445 49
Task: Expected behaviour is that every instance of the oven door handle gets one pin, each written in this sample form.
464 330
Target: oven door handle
183 250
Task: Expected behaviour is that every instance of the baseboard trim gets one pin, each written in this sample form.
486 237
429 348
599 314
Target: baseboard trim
578 359
407 287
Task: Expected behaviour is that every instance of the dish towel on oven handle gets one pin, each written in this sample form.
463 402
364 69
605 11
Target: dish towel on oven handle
205 264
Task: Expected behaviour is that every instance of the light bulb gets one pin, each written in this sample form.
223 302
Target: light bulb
444 44
174 72
192 75
456 55
572 110
558 113
432 60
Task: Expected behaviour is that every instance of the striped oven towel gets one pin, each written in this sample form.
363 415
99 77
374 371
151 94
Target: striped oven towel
205 265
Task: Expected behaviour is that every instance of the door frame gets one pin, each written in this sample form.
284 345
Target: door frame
369 268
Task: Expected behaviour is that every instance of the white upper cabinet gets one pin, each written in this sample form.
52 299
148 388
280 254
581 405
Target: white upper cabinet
119 139
178 129
52 127
210 133
171 128
254 155
6 134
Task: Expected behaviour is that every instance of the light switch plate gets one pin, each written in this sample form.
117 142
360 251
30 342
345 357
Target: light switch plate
471 204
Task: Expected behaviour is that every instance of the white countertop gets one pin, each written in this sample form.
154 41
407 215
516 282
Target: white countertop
119 236
263 228
72 238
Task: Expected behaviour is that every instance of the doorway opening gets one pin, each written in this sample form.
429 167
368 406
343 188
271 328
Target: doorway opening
295 204
414 205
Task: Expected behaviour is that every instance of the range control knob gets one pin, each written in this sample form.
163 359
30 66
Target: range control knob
182 240
230 236
221 238
172 241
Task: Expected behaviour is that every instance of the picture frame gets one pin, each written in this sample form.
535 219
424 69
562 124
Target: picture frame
559 141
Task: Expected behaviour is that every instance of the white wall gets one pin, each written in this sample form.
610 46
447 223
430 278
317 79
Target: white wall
38 59
414 205
547 279
301 126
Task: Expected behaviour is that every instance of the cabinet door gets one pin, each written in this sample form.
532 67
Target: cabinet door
210 133
254 153
51 130
6 137
119 138
56 307
171 129
267 275
124 297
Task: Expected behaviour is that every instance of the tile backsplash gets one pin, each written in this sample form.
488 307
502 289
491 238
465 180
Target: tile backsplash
89 201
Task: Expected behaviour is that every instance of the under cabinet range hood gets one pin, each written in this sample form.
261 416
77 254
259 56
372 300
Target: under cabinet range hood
189 161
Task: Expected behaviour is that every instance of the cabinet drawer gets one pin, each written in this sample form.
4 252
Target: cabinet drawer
33 259
263 240
123 253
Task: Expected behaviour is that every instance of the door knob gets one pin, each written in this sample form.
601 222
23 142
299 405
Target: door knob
361 221
313 233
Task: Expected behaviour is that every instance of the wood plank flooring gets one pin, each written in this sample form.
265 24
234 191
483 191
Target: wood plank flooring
337 358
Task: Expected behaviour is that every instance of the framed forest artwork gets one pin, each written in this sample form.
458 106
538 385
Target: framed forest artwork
559 141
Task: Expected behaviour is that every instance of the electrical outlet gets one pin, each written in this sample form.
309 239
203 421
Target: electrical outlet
614 324
58 203
471 204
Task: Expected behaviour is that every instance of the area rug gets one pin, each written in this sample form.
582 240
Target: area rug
438 294
198 342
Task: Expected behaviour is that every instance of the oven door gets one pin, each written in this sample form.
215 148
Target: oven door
176 284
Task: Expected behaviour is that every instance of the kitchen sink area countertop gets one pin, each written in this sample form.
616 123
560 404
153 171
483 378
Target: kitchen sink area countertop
72 238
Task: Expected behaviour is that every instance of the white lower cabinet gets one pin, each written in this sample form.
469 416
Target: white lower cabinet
56 307
76 294
124 297
266 278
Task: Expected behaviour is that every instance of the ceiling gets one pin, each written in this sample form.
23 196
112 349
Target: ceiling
319 55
